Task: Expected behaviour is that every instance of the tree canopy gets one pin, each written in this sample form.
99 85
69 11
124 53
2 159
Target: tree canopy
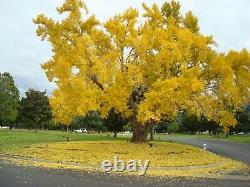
91 121
114 122
146 67
34 109
9 98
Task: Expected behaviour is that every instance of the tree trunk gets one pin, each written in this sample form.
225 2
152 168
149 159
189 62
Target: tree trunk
227 134
115 134
67 128
140 132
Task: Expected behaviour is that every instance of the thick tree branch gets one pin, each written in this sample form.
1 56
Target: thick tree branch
70 40
94 79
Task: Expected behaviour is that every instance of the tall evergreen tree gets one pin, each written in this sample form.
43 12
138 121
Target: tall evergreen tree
35 109
9 98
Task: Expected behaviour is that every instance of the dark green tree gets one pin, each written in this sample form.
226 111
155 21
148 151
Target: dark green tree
9 98
173 127
243 119
35 110
92 122
161 127
115 122
192 124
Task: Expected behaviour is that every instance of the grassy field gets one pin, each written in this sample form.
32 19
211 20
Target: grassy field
50 149
12 138
233 138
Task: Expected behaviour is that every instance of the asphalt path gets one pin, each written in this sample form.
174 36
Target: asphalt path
228 149
16 176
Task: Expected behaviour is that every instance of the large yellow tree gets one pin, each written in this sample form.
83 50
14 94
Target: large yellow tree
148 67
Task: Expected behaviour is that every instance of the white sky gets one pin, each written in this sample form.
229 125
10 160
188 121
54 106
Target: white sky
21 52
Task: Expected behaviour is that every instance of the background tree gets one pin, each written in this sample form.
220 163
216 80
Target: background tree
190 123
193 124
35 109
173 127
161 127
115 122
243 119
92 122
211 126
9 98
147 71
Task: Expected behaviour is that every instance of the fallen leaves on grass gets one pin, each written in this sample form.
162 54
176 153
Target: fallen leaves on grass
166 159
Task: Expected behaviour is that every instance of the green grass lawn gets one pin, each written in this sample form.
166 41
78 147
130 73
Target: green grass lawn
11 138
233 138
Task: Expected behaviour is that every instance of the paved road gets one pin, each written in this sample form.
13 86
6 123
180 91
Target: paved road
15 176
232 150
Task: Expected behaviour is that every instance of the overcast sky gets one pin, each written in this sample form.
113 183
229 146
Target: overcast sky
21 52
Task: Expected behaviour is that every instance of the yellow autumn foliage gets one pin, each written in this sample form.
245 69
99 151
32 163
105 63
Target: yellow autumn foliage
148 68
